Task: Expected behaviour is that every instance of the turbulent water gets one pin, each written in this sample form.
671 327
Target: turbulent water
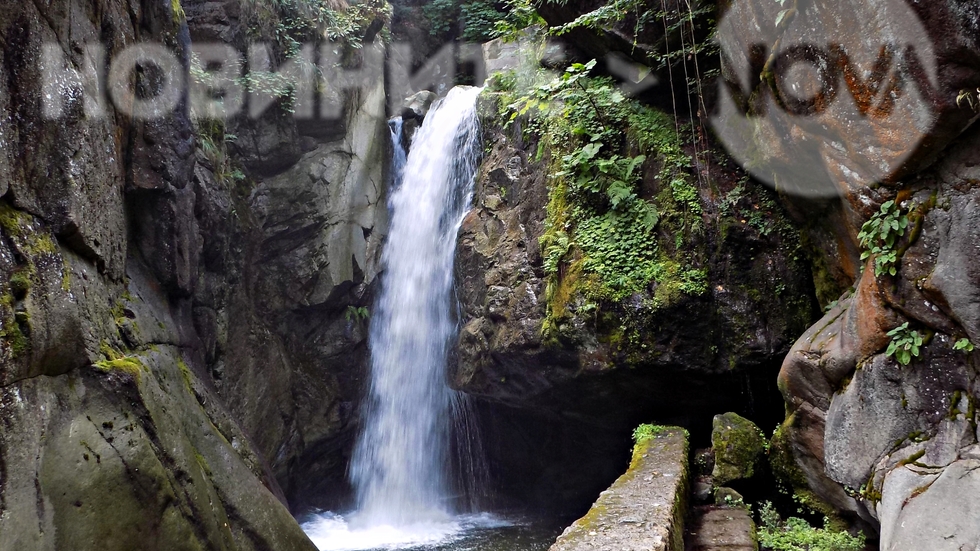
406 479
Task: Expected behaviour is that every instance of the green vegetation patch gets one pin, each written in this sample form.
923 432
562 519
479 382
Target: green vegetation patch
879 236
607 238
796 534
645 432
906 344
116 360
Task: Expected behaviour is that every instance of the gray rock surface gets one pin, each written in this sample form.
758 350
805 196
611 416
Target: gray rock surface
870 437
644 509
132 458
721 529
155 383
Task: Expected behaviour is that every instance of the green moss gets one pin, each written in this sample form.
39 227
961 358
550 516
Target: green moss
185 371
738 443
913 459
20 226
20 284
785 469
14 336
14 324
12 220
782 460
177 10
127 364
645 432
66 277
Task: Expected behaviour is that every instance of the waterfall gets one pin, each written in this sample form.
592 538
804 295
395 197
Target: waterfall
398 154
401 462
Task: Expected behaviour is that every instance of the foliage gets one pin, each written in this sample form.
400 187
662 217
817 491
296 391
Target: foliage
600 241
905 344
880 235
213 142
768 516
477 18
480 20
356 314
290 22
442 15
519 15
963 344
645 432
693 28
796 534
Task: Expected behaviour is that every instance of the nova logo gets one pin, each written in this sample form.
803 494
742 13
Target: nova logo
828 96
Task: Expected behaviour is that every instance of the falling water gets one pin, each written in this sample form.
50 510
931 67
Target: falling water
398 155
399 468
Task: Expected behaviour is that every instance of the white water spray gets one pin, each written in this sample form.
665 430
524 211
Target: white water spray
400 465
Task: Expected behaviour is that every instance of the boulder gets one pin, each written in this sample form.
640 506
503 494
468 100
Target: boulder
737 443
867 436
417 105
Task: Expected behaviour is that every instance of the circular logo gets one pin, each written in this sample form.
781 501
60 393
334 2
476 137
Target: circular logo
819 97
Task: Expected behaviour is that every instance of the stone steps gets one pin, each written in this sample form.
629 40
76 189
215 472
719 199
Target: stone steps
721 529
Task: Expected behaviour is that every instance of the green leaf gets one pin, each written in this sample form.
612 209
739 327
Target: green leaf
963 344
780 16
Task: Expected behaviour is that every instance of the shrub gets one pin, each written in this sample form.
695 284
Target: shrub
796 534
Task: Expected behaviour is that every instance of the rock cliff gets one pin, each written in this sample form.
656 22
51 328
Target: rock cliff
175 351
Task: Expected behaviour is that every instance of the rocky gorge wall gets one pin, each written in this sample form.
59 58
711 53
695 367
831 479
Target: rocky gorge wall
889 445
177 353
183 347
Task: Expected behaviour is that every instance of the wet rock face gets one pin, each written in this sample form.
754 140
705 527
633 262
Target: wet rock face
684 363
871 436
144 458
155 308
316 261
113 435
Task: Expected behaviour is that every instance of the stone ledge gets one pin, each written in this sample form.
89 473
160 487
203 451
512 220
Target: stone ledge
644 509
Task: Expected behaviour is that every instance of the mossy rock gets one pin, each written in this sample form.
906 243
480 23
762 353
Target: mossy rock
737 443
727 497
